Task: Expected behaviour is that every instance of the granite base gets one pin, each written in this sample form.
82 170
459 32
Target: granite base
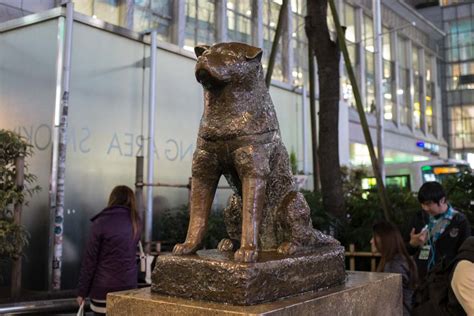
364 293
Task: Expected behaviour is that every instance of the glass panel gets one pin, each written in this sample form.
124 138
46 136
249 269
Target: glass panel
389 86
417 88
429 111
200 23
369 82
386 44
368 36
402 52
349 22
85 7
462 126
239 21
403 90
299 44
107 10
388 76
271 10
430 94
153 14
403 93
298 7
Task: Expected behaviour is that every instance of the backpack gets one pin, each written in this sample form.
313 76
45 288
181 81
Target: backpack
434 296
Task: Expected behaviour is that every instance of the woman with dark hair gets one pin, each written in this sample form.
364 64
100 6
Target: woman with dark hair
395 259
109 262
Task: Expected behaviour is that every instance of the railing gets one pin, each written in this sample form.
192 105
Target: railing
44 307
352 254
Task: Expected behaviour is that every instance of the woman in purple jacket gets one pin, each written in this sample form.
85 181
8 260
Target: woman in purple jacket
109 262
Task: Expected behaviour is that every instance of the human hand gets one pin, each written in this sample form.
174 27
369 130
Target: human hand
417 240
79 300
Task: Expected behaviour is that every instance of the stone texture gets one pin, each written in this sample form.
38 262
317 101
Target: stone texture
214 276
364 293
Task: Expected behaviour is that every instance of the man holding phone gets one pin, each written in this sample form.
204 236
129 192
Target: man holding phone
438 231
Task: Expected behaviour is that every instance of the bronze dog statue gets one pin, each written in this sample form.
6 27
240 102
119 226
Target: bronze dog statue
239 138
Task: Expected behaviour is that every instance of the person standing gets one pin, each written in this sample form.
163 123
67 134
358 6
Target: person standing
438 231
109 262
388 240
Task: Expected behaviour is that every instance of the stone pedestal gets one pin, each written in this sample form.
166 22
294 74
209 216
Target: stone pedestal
364 293
214 276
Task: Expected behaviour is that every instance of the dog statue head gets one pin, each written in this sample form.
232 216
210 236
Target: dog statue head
223 63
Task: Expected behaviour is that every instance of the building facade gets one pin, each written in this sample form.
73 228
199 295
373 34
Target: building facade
412 55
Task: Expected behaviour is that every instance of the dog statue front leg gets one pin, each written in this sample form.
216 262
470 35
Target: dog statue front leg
253 196
202 195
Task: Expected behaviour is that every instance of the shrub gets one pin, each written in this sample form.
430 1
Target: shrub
13 236
363 209
460 192
173 226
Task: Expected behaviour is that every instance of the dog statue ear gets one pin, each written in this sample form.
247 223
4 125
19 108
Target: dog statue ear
199 50
254 53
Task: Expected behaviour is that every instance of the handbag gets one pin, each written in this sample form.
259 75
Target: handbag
145 263
80 312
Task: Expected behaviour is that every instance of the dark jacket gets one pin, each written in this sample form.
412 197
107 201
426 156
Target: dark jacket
399 265
109 262
434 296
466 252
446 247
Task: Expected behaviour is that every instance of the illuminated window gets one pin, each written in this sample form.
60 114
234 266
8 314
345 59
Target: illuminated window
462 127
459 43
349 23
430 94
417 87
368 36
388 76
403 89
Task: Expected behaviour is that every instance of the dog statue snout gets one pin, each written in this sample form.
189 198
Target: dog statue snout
202 75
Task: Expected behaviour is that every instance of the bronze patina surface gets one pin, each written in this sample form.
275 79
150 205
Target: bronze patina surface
364 293
239 138
215 276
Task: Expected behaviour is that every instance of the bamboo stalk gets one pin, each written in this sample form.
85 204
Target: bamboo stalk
312 107
16 265
276 40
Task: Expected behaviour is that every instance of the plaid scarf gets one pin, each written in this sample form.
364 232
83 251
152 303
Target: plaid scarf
436 228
